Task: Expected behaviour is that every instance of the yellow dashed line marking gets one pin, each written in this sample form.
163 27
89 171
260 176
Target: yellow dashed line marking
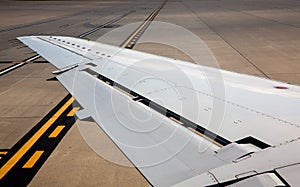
72 112
56 131
20 153
3 152
136 33
16 157
30 163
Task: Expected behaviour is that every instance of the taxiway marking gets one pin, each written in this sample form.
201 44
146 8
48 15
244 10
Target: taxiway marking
24 149
56 131
30 163
15 158
72 112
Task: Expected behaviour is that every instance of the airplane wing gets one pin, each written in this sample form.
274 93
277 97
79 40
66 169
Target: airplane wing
179 123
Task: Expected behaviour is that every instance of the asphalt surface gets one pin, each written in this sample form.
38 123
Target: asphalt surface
255 37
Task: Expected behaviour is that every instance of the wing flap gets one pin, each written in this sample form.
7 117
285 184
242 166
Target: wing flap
164 151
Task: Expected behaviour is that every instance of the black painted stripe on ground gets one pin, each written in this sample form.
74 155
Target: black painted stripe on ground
3 155
26 175
36 56
130 43
105 24
19 176
11 67
7 67
40 62
80 36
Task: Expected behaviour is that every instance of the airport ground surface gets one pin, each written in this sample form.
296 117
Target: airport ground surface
257 37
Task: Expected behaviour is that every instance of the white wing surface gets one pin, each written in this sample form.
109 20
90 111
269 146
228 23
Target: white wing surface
181 123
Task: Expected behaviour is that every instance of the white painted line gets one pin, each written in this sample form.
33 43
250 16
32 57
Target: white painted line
33 58
11 68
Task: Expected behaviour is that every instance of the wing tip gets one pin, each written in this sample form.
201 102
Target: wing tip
26 39
21 38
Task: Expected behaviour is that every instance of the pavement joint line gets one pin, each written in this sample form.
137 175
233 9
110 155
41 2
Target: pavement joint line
56 131
20 153
228 43
33 159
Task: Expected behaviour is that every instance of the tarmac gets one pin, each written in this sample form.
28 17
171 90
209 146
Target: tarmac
255 37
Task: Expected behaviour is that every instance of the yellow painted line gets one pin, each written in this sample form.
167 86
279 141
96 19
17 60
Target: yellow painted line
139 29
3 152
56 131
126 43
30 163
0 157
72 112
16 157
